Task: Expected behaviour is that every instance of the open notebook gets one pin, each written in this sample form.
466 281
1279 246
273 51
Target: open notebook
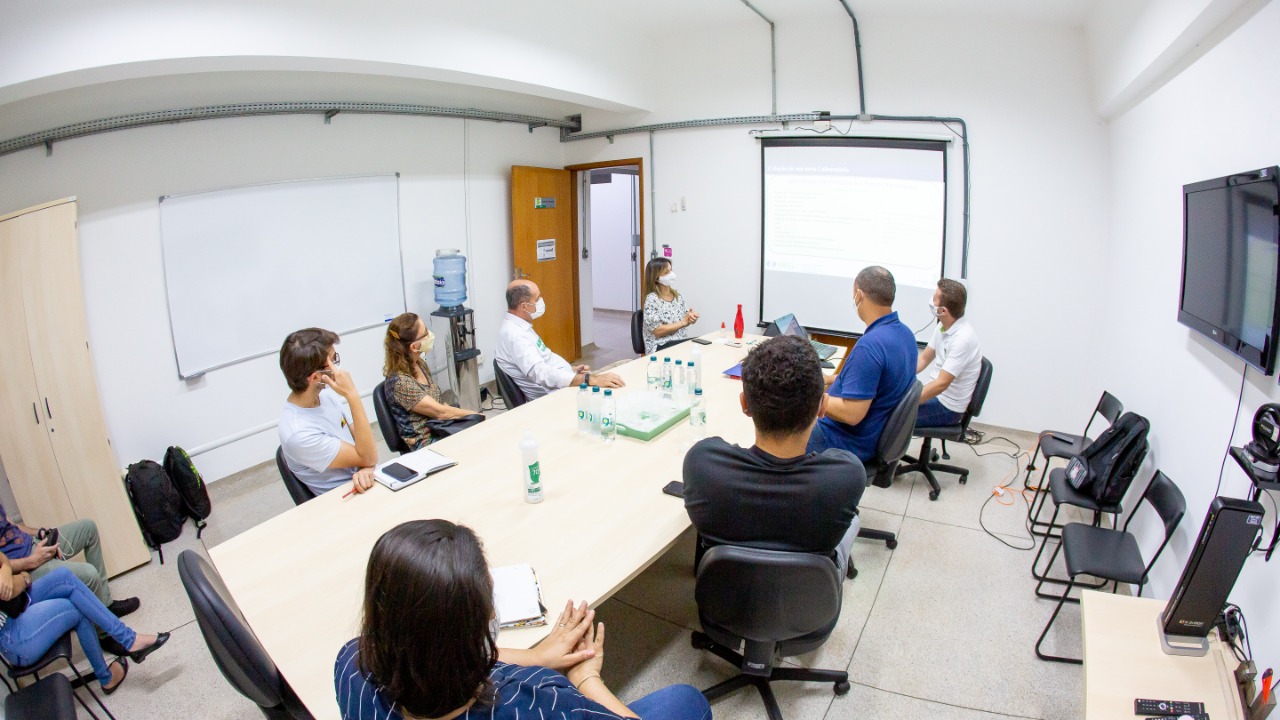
517 596
423 462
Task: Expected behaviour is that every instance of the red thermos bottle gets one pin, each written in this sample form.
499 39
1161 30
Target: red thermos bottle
737 324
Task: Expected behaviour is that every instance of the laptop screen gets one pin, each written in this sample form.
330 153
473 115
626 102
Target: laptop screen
788 325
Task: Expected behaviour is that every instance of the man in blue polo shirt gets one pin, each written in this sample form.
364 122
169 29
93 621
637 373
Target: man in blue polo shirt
877 373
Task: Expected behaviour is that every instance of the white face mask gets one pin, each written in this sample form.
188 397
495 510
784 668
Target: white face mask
669 279
426 344
539 308
935 311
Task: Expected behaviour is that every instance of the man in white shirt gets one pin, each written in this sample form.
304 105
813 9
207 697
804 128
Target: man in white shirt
322 445
955 357
526 359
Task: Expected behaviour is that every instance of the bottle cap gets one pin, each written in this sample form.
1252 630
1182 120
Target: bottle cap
690 363
608 393
679 362
666 360
652 358
583 386
698 391
595 389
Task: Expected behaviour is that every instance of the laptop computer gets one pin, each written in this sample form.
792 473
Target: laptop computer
789 325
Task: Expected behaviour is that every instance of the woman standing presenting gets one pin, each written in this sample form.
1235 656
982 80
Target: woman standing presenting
666 315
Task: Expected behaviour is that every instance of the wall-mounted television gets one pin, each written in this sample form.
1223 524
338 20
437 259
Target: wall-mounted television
1230 263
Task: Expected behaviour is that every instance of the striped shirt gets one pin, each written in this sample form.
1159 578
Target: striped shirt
523 693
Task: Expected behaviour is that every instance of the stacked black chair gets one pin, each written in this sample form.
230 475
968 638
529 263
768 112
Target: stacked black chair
1054 444
386 423
60 650
511 393
1112 554
926 464
756 605
637 332
890 448
298 490
49 698
235 649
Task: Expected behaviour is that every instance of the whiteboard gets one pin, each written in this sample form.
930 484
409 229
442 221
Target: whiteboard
244 267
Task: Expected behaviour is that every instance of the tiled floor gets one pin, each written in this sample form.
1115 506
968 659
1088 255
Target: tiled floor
943 626
612 339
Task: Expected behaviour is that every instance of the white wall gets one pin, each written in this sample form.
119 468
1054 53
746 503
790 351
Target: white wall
612 272
1216 118
118 178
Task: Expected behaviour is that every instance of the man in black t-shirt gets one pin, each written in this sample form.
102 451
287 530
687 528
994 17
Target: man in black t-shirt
775 495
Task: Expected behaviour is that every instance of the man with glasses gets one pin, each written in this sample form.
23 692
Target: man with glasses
526 359
325 444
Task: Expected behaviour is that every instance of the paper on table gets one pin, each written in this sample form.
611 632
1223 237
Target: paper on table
517 596
424 462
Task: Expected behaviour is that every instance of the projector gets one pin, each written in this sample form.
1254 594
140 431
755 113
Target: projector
1264 450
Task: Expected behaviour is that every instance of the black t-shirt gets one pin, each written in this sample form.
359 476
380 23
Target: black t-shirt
745 496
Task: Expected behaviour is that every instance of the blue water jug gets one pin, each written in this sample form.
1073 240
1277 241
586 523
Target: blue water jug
450 274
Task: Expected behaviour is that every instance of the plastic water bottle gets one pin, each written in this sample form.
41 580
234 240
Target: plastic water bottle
695 358
677 382
653 374
532 471
698 414
724 332
666 378
449 272
593 411
608 413
691 377
584 407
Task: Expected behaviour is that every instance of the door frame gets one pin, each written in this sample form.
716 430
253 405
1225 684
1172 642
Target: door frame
576 179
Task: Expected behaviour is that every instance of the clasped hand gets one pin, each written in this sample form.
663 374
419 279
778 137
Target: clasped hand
573 647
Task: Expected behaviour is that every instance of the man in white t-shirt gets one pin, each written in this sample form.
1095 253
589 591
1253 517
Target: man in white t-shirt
325 443
526 359
953 358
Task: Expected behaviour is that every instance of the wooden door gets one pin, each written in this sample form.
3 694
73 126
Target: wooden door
545 250
70 403
24 439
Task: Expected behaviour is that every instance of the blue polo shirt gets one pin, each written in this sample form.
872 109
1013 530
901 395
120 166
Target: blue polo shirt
881 368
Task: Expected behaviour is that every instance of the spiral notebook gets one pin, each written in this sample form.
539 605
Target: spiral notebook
517 596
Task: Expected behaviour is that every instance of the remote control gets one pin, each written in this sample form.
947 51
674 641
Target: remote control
1192 716
1167 707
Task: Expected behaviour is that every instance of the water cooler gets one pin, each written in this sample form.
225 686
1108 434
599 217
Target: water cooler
450 274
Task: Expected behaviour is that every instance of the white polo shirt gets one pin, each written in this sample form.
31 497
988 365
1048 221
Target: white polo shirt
956 351
528 361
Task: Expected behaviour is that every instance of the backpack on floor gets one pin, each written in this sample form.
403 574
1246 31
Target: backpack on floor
156 503
186 479
1107 467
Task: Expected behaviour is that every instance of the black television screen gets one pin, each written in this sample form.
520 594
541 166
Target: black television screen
1230 258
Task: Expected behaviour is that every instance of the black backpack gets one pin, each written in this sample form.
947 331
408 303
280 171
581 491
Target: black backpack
1107 467
156 503
195 496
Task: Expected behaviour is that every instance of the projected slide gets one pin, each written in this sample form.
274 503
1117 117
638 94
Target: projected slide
831 210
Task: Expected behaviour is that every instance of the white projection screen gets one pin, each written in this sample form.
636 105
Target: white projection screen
835 206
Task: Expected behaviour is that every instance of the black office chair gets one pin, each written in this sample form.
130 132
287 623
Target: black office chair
60 650
637 331
890 448
1112 554
49 698
298 490
387 423
769 604
926 464
1054 444
235 649
511 393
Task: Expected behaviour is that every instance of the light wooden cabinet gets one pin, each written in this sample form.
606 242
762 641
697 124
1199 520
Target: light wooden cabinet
53 437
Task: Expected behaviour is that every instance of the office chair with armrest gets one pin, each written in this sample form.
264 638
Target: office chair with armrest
637 331
890 449
387 423
235 649
1112 554
1054 444
49 698
770 604
926 464
298 490
60 650
511 393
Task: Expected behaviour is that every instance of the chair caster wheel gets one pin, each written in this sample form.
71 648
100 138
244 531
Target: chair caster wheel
891 544
699 641
842 687
933 456
933 494
964 479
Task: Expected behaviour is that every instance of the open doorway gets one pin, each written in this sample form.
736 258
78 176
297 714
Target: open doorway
610 257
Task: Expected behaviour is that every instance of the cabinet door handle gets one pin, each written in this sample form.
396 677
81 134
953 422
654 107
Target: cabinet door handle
35 412
48 413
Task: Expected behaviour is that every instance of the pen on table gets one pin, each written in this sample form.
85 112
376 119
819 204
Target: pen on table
350 492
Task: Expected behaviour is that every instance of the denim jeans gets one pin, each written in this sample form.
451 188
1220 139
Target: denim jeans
60 602
673 702
934 414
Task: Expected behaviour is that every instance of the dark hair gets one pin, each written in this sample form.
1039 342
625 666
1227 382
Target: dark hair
652 270
428 599
303 353
954 297
877 283
782 379
518 293
401 333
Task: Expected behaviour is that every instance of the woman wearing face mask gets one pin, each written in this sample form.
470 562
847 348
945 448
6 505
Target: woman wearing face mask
428 647
666 315
411 392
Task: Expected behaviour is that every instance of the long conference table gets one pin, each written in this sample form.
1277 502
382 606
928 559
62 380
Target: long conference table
299 577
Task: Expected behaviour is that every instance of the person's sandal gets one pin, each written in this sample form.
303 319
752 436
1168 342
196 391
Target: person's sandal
124 665
139 655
